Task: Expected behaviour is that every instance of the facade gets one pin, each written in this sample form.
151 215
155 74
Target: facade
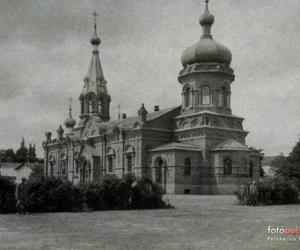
195 148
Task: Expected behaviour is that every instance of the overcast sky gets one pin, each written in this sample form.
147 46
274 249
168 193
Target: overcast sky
45 52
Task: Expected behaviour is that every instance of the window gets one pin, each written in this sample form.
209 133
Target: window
159 171
91 108
110 164
251 169
205 96
187 191
222 97
51 168
82 106
227 166
228 99
245 165
129 163
187 167
187 97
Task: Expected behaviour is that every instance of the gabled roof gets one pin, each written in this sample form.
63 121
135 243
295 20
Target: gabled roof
129 122
10 165
230 145
16 165
176 146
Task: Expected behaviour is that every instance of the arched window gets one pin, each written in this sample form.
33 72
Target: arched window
205 96
222 97
129 163
51 168
91 108
82 106
227 166
228 99
245 165
110 164
159 171
187 97
187 166
251 165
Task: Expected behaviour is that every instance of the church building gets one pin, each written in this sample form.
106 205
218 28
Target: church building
197 147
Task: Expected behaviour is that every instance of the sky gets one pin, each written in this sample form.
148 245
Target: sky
45 52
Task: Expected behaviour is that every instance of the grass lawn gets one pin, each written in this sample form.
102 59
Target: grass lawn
197 222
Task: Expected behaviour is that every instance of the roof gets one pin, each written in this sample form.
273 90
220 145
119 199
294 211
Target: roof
10 165
15 165
230 145
129 122
176 146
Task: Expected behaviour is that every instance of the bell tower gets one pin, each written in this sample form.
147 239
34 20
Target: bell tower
206 75
94 98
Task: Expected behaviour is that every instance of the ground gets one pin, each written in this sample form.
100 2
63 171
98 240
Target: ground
197 222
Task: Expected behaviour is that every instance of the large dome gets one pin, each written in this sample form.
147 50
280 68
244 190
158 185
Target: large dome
207 50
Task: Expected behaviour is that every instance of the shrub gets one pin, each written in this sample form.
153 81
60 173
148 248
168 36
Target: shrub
53 195
112 193
146 195
7 195
275 191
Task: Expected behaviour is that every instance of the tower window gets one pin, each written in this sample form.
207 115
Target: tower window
91 108
187 97
227 166
187 167
205 96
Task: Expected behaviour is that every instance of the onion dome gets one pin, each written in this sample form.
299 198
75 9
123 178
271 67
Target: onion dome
69 121
95 40
207 50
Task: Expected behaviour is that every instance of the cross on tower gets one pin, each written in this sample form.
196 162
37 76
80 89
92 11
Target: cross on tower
95 20
70 103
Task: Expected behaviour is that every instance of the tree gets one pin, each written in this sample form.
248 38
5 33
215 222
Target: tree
22 152
32 154
8 155
288 167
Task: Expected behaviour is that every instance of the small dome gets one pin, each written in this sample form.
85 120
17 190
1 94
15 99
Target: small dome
95 40
207 50
207 17
69 122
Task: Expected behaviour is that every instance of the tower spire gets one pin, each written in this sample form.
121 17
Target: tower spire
94 97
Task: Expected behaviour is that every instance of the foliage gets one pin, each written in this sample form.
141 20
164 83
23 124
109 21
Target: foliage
129 193
288 167
22 155
274 191
146 195
7 195
55 195
52 195
37 172
8 155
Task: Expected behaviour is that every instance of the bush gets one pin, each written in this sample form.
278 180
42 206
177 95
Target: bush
53 195
7 195
112 193
274 191
146 195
